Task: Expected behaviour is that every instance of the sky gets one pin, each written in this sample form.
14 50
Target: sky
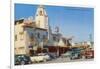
72 21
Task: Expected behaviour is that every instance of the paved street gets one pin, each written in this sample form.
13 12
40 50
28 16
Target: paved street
64 60
61 60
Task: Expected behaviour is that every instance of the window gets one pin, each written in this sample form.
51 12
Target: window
38 35
40 13
15 37
21 35
31 37
44 37
15 48
54 38
21 47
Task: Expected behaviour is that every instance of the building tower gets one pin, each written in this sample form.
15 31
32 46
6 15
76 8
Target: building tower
41 18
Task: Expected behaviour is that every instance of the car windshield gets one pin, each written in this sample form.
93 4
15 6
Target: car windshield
41 54
21 58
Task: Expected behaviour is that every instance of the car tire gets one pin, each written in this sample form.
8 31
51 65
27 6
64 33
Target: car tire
71 58
22 62
83 57
44 60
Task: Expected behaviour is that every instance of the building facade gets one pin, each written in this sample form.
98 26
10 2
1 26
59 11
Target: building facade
35 35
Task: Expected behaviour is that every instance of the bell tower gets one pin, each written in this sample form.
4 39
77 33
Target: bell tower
41 17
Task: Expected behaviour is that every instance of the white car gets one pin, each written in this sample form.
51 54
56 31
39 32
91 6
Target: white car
41 57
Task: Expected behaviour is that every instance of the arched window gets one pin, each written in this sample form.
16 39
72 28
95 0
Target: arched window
41 13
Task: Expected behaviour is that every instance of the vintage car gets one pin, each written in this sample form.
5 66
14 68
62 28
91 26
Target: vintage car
74 53
41 57
89 54
66 54
22 60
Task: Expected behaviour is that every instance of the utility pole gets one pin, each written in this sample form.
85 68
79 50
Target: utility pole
57 32
90 39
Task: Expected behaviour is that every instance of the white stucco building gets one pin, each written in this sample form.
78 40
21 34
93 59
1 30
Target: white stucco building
31 34
41 18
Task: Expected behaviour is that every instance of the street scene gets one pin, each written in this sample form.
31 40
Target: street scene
52 34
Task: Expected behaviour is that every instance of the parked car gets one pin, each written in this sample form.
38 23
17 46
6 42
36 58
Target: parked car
41 57
22 60
66 54
46 56
89 54
75 53
52 56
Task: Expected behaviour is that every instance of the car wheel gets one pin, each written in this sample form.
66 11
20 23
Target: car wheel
71 58
44 60
83 57
29 62
22 62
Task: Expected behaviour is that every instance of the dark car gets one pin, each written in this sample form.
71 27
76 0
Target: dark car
75 53
66 54
52 56
22 60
